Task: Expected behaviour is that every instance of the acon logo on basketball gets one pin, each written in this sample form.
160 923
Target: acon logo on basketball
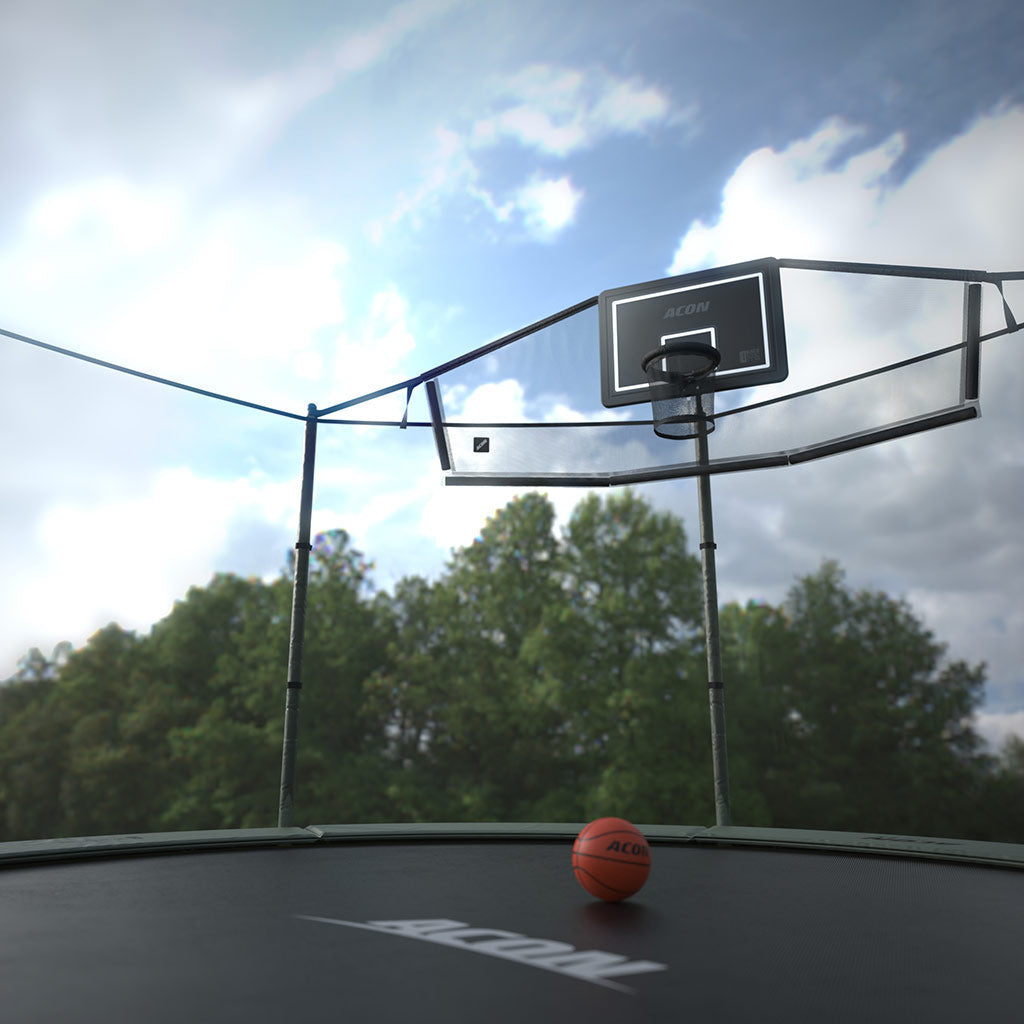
636 849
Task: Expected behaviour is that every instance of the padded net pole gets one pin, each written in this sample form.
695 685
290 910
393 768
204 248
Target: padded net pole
296 645
716 687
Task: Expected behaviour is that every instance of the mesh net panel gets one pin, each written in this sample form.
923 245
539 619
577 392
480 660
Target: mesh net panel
869 358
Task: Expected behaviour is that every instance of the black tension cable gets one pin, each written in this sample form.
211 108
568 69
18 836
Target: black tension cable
148 376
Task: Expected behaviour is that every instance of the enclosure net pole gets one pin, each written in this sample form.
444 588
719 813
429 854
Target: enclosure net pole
716 687
297 642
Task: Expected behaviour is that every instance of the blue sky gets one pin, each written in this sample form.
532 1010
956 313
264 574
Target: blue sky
296 203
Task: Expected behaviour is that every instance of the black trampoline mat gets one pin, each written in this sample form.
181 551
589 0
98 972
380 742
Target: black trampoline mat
744 934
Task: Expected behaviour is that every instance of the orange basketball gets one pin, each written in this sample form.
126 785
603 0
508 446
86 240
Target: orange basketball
611 859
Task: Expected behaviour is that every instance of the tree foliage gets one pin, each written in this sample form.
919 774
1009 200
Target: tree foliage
846 705
547 674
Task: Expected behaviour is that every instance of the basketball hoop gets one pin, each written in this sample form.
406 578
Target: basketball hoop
681 409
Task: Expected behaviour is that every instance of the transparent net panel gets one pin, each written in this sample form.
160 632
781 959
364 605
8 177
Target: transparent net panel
870 358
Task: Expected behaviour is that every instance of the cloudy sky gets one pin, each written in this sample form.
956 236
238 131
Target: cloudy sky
302 203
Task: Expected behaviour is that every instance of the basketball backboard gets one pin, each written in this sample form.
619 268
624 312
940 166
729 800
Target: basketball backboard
736 309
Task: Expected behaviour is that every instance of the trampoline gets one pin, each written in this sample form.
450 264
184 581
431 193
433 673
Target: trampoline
486 923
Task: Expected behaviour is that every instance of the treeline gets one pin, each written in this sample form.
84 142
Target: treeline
546 675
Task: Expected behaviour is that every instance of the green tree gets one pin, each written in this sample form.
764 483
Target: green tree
108 778
33 750
850 714
548 677
226 751
472 732
623 651
181 728
339 769
999 812
221 656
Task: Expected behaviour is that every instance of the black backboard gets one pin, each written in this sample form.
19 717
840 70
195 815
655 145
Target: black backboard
736 309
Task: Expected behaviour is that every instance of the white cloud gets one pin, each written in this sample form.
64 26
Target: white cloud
449 170
87 236
998 728
558 111
238 303
375 354
548 206
807 202
123 559
233 301
497 402
551 111
628 105
798 202
106 212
